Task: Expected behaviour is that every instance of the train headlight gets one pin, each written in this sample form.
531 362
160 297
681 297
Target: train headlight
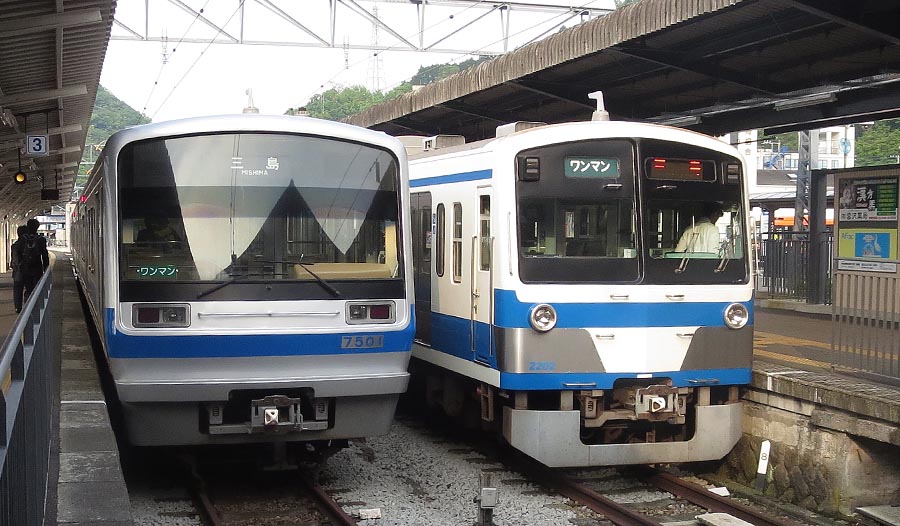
736 316
542 317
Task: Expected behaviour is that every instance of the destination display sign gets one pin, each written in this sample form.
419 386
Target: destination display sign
681 169
592 167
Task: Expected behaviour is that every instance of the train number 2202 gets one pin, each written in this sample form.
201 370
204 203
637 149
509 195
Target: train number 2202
541 366
365 341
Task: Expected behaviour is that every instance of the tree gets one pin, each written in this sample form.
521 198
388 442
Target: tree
110 115
878 144
339 103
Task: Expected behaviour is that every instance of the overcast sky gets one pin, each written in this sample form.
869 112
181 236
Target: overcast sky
202 79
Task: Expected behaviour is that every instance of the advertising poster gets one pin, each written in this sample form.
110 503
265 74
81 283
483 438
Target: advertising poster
870 199
869 243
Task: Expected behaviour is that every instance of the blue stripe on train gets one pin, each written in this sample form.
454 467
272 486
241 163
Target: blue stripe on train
236 346
509 312
453 335
556 381
451 178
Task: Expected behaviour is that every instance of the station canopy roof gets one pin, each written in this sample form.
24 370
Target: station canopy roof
714 66
53 52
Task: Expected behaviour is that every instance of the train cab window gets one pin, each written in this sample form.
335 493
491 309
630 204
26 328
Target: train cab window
278 210
576 212
693 217
440 234
457 242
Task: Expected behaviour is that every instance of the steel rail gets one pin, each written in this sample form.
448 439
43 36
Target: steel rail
328 505
704 498
204 505
617 513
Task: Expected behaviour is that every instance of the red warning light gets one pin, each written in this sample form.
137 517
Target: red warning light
83 198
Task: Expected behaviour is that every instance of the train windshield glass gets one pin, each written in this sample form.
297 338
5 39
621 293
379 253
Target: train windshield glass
257 207
694 229
576 212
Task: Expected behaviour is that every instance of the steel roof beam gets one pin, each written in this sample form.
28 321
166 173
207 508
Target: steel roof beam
219 30
291 20
839 19
532 86
354 9
43 95
32 24
15 140
377 21
472 111
668 60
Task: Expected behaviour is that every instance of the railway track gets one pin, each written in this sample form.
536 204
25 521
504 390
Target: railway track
311 503
623 515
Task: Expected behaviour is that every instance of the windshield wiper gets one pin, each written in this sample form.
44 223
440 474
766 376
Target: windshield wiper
325 285
729 243
231 279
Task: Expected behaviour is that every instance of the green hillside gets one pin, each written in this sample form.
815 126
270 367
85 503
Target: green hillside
110 115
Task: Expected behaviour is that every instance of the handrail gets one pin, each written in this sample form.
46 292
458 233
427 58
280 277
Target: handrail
28 378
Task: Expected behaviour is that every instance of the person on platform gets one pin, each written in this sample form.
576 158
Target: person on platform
32 256
16 265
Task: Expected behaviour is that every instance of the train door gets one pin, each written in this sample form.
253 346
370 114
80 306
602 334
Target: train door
422 234
482 281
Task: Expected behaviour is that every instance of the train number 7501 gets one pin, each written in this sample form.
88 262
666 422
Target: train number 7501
363 341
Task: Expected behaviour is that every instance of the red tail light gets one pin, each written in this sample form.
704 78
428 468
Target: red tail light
148 315
379 312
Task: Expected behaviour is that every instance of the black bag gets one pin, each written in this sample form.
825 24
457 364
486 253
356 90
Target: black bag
30 255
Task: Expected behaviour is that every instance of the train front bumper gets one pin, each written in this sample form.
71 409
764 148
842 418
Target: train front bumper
551 437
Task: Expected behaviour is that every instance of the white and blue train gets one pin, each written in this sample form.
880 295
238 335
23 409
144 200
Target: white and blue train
249 278
551 300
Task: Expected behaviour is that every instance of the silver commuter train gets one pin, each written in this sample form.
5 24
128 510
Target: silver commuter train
249 279
551 301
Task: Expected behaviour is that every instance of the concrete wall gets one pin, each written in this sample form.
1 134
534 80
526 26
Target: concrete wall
823 458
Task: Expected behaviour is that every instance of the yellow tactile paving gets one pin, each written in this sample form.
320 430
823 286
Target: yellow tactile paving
759 353
768 338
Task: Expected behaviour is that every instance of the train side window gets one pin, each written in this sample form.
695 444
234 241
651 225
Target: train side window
485 220
457 242
426 233
439 242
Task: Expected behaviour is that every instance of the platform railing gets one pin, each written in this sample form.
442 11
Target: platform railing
784 265
866 323
26 405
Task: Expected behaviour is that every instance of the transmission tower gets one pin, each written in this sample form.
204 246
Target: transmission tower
375 75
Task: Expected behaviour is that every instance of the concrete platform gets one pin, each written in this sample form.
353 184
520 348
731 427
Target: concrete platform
90 488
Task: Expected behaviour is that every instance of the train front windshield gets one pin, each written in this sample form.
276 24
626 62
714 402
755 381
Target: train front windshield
585 214
256 208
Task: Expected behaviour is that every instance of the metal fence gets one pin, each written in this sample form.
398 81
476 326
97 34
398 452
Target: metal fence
866 323
28 381
784 262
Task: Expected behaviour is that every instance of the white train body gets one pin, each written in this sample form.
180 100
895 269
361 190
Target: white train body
249 278
548 289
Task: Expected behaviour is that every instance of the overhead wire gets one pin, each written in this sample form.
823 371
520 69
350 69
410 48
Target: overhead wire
471 53
174 49
210 43
388 48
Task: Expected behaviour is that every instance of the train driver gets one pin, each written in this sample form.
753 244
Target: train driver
703 234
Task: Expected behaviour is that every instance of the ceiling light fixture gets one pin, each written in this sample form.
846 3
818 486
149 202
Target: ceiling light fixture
804 101
686 120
